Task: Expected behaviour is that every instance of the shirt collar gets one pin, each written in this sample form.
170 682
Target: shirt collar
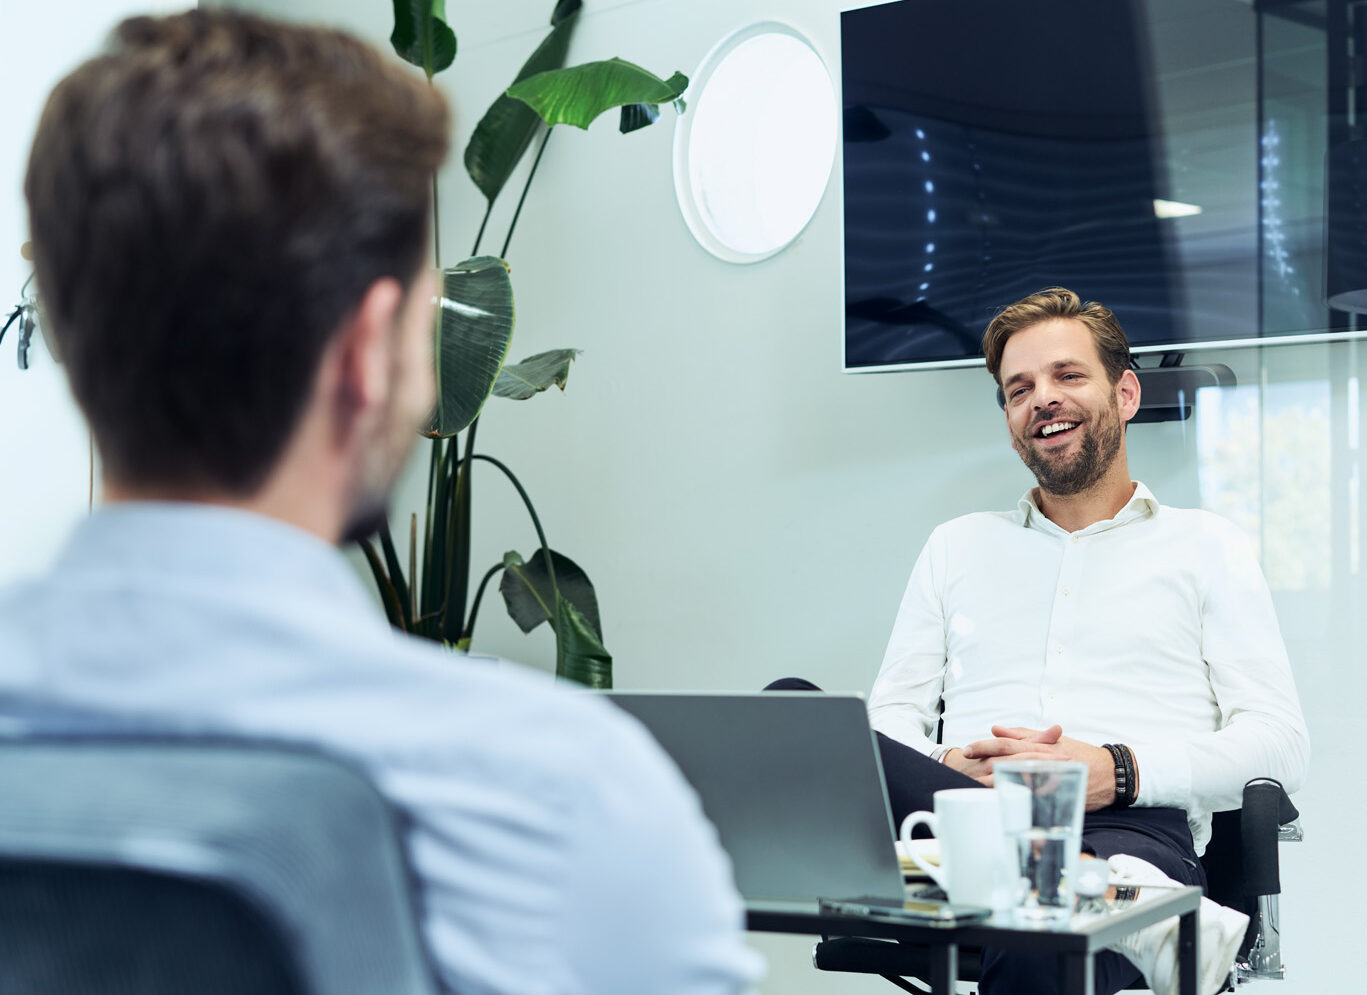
1142 504
214 544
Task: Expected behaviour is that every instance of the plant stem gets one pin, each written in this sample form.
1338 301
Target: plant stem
395 571
424 598
388 594
458 543
527 186
438 573
436 225
470 440
428 18
536 522
482 225
414 592
479 596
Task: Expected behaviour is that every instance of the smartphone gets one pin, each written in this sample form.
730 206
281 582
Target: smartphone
916 911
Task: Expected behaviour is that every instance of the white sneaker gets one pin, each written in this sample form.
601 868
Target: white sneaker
1154 949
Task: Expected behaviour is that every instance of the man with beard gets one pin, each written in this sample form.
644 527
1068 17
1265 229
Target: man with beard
1091 624
230 221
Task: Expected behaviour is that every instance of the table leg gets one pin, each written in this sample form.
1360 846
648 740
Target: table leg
1076 971
944 969
1188 952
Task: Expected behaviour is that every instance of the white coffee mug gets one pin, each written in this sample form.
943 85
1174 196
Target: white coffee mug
975 862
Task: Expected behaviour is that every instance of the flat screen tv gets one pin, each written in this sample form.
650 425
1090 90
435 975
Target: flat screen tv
1137 151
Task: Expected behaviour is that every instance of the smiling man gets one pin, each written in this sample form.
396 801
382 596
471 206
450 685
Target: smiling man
1091 623
1075 439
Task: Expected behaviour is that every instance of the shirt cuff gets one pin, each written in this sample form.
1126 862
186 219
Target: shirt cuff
906 731
1164 775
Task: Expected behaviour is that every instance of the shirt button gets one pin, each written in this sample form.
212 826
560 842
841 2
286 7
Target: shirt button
1075 539
1058 649
1050 696
1065 592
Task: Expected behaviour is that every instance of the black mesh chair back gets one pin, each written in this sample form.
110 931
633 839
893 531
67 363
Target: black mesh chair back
164 867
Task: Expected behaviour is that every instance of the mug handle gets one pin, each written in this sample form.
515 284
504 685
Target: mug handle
908 824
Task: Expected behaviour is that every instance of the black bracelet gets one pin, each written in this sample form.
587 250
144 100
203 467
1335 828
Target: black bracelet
1119 762
1125 787
1131 776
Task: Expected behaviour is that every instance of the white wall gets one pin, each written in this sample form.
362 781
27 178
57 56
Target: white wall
44 448
746 510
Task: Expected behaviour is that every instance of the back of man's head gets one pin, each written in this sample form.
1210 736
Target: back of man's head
209 199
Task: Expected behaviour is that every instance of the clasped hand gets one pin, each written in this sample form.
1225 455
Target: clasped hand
1019 743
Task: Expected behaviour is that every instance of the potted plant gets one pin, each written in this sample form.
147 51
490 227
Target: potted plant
430 594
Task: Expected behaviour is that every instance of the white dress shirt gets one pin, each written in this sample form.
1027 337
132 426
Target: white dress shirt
1154 629
556 848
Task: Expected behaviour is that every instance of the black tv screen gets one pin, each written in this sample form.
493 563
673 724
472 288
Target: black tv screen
993 148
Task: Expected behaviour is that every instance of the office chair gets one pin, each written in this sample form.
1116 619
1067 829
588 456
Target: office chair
176 867
1242 870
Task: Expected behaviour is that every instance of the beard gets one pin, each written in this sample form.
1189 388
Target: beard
1098 449
381 467
365 523
386 444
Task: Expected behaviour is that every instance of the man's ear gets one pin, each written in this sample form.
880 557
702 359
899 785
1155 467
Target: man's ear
1127 395
364 348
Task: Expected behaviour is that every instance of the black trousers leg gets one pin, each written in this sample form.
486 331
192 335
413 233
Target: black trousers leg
913 778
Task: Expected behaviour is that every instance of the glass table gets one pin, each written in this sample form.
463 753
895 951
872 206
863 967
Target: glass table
1092 929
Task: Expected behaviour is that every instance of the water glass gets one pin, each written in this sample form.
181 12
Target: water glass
1042 802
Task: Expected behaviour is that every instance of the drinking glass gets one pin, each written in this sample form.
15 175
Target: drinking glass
1042 802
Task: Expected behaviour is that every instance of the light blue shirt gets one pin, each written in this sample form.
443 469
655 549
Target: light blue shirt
558 850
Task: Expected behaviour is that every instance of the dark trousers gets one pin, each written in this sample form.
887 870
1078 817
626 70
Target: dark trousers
1158 835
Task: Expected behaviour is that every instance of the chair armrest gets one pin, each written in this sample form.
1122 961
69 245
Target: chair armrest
1267 808
1267 818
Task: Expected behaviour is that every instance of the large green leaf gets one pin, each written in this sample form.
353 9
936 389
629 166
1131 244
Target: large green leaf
579 654
527 591
474 330
534 374
505 131
421 35
637 116
579 94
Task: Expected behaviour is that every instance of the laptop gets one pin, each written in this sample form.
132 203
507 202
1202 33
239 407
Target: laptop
793 784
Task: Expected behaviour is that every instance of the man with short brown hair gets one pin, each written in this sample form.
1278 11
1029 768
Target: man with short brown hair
1092 624
230 228
1112 347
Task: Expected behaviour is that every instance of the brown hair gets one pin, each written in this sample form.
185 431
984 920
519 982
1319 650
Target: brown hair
1058 302
208 199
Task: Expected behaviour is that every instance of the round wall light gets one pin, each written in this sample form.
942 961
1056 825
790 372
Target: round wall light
753 154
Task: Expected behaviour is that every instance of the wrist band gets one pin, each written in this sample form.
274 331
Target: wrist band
1131 775
1126 775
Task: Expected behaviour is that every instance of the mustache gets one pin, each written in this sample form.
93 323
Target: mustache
1047 416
